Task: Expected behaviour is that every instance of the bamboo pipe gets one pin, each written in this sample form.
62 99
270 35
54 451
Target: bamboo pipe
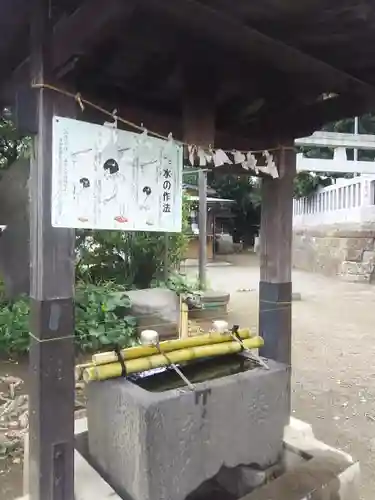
114 370
184 320
104 358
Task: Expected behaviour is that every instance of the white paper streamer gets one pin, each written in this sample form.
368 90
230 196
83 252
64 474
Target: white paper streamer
220 157
250 163
270 167
202 157
192 151
238 157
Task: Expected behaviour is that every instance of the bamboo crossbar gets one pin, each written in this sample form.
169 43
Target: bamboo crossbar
115 370
104 358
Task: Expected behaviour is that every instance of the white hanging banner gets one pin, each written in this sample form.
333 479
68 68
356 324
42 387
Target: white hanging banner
270 167
105 178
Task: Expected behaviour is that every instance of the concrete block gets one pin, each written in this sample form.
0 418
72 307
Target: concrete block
296 296
325 473
164 445
338 477
156 306
90 485
368 257
213 302
325 476
298 429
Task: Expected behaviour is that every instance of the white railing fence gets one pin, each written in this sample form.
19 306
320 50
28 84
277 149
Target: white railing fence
347 201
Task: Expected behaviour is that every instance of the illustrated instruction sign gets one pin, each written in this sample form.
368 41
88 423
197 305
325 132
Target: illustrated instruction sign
105 178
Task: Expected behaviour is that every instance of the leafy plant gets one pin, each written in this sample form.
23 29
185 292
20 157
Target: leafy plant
306 183
14 326
102 317
132 260
178 283
101 313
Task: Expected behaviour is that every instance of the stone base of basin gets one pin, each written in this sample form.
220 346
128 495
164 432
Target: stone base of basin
310 468
164 445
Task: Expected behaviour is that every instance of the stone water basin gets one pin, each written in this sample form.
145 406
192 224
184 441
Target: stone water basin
152 438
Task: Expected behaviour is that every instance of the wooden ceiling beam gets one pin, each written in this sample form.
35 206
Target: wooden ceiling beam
75 34
223 28
286 124
300 121
142 114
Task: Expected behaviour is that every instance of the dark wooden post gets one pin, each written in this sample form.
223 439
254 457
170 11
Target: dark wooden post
51 468
199 129
202 223
166 257
275 287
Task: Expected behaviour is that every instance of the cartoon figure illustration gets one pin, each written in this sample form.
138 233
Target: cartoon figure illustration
114 162
84 182
111 187
111 175
83 197
146 206
147 191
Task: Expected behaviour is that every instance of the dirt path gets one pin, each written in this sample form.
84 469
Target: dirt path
333 360
333 355
11 477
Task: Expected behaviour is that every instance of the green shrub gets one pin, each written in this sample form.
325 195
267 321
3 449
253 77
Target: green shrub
101 314
14 326
178 283
102 318
130 259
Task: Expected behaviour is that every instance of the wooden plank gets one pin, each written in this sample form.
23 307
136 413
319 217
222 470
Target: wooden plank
75 34
202 223
90 23
262 133
217 23
275 288
199 128
276 221
293 120
166 257
290 121
51 383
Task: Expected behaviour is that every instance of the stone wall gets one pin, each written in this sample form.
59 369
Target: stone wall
344 251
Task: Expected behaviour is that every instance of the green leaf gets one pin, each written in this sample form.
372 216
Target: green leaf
104 340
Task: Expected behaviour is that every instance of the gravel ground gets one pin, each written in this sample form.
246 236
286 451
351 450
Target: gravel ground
333 360
333 354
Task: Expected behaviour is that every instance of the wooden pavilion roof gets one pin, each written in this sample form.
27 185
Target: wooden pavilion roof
279 68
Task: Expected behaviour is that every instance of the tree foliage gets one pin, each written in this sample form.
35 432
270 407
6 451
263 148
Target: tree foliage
12 145
244 190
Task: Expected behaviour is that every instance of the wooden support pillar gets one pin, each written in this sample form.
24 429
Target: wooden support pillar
51 384
202 223
275 287
199 129
166 257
